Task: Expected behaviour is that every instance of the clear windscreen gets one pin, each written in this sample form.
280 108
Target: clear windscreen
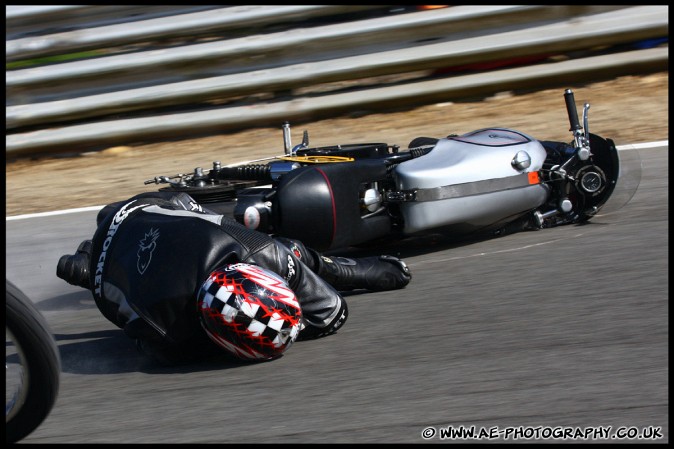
629 179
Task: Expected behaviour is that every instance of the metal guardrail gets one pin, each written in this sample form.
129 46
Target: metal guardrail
46 105
150 23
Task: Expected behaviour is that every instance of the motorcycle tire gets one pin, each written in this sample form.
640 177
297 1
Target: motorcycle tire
30 342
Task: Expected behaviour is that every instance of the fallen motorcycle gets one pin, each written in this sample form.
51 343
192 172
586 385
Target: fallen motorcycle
488 180
32 366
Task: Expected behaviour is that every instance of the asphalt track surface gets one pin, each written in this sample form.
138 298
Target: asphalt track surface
529 334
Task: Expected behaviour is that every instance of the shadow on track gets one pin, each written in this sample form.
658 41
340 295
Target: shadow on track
112 352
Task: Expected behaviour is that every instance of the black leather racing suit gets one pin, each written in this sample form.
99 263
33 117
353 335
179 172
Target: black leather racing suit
151 254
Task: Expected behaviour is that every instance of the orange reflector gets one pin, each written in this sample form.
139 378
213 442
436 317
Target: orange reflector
533 177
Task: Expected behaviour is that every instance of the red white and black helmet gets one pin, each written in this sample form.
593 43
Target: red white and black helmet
249 311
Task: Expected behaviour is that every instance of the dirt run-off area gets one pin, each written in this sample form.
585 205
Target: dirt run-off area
629 110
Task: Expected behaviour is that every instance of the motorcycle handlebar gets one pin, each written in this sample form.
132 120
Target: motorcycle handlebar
571 110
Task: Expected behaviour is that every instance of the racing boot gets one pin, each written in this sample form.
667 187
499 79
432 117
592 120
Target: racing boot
74 269
377 273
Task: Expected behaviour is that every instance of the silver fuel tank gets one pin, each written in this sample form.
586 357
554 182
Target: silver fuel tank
473 180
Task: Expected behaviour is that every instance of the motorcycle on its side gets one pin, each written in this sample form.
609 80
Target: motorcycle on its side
32 366
493 180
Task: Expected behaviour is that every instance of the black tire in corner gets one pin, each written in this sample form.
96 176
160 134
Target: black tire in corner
42 362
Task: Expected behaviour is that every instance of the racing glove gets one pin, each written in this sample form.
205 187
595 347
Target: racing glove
377 273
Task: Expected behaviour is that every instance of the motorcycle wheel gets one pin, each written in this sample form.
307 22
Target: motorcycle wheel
32 366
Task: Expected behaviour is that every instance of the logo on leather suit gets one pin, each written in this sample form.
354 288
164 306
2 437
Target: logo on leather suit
296 250
147 245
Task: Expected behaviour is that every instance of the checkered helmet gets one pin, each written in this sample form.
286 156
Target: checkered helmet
249 311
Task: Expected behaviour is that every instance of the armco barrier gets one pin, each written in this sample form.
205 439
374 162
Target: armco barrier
221 78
